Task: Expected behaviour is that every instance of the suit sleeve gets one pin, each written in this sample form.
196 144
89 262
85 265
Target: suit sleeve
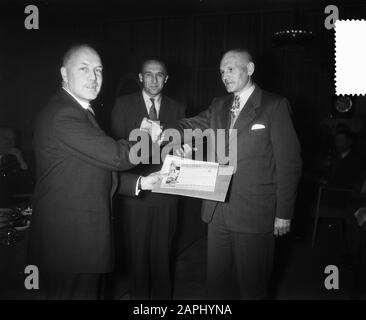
117 119
127 180
128 184
200 121
89 143
287 154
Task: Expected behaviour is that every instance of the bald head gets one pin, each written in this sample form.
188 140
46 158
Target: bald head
241 54
74 51
82 72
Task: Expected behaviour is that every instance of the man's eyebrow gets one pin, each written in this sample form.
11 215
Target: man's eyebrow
85 63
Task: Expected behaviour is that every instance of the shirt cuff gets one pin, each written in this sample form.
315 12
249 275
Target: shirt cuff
137 189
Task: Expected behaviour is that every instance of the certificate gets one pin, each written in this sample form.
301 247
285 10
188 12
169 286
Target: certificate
199 179
182 173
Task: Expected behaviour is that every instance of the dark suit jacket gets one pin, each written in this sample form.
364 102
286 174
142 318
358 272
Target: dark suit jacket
71 226
268 161
127 115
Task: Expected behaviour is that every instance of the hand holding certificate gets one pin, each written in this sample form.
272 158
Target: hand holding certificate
200 179
183 173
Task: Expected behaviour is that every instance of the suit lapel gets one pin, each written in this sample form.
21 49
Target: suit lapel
224 113
142 110
137 111
249 112
224 120
92 119
164 112
76 105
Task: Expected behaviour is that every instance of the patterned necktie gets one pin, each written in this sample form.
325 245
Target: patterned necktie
152 113
234 110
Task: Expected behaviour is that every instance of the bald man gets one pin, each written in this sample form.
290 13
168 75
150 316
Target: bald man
262 192
71 238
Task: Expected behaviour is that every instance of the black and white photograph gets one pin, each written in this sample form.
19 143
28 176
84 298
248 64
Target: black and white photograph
96 94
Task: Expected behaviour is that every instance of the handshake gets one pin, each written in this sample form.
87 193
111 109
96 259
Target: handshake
153 128
157 135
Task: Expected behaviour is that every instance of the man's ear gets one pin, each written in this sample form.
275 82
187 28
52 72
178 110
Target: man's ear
63 74
250 68
166 78
140 77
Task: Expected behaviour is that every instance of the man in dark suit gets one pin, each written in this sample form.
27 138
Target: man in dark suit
262 192
71 240
149 220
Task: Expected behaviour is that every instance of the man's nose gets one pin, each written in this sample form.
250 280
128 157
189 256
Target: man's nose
92 75
155 79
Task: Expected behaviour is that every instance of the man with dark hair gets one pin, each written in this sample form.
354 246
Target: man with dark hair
262 192
149 220
71 233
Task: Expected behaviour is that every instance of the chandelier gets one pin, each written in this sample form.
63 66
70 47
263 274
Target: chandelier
293 36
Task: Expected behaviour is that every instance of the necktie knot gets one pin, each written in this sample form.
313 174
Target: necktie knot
152 113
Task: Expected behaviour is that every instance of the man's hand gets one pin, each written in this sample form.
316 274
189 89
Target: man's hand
156 131
151 181
281 226
145 124
185 151
153 128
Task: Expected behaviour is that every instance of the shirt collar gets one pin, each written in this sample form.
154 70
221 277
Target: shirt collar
85 105
147 98
246 92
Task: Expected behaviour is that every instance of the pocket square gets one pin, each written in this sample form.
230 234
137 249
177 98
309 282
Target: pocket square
257 126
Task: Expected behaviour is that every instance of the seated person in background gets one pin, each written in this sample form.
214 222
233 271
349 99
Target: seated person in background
7 147
346 167
14 174
344 170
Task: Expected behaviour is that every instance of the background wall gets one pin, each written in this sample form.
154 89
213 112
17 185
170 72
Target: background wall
191 35
191 41
192 44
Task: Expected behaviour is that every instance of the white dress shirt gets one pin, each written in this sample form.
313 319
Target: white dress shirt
85 105
244 96
148 102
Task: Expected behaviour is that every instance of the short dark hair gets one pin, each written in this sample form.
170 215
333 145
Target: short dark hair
73 49
155 59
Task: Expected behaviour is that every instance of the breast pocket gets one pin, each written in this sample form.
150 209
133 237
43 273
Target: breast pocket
254 142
